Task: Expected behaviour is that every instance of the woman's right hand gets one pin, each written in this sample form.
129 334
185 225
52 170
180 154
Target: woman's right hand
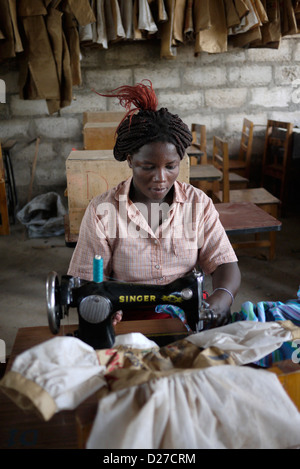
117 317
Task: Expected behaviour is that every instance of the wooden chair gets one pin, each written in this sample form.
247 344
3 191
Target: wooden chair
277 156
258 196
4 216
197 150
197 153
241 165
239 168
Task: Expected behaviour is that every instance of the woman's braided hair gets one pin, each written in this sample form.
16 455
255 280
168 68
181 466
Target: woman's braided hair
144 124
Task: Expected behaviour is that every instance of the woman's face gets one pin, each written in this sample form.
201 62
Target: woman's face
155 167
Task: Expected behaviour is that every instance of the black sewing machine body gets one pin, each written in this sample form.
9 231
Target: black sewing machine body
96 303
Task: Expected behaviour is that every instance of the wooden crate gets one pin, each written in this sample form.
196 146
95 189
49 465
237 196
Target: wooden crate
99 135
92 172
102 116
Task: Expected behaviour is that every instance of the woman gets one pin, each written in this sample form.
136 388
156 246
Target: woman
152 228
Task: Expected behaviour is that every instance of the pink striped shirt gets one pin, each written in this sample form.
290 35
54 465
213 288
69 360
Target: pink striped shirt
190 235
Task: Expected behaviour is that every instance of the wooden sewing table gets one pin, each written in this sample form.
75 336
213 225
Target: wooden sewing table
20 430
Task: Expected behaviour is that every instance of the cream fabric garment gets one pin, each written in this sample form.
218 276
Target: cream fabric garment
222 407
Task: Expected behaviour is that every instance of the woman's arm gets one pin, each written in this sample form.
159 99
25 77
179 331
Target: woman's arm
226 280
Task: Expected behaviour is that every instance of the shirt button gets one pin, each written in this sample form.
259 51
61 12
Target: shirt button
157 266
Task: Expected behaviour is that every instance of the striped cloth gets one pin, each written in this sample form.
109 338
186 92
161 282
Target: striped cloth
265 311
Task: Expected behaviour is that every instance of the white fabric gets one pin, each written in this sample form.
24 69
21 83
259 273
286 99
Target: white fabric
246 341
134 340
65 367
218 407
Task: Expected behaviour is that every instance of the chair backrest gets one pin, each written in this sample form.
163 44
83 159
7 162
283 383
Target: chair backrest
221 159
199 139
278 140
245 150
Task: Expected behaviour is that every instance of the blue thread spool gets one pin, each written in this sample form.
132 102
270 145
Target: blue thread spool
98 269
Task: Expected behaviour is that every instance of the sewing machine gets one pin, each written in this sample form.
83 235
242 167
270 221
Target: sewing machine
96 303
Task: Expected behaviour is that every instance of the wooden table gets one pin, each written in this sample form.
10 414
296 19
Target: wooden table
245 217
205 172
20 430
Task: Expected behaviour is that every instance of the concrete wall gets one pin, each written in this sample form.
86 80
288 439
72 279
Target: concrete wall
217 90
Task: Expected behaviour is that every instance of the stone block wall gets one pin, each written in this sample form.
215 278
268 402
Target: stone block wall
217 90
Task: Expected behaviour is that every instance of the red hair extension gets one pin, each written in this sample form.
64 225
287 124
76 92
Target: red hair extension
141 96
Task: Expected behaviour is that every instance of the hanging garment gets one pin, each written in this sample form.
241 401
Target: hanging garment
114 26
82 11
10 40
232 16
70 30
126 10
38 72
97 33
201 15
213 40
167 48
179 15
271 31
145 19
288 18
188 21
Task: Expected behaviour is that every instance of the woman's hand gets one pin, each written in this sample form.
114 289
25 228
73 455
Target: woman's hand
117 317
228 277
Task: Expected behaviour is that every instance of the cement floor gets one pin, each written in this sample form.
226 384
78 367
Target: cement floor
25 263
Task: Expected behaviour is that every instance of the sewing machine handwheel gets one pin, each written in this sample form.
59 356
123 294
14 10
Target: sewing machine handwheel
53 307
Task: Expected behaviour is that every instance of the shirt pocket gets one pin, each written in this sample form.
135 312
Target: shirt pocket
185 245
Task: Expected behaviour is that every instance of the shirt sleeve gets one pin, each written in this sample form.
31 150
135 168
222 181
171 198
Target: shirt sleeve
92 241
215 247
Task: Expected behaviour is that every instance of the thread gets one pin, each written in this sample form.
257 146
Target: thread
98 269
